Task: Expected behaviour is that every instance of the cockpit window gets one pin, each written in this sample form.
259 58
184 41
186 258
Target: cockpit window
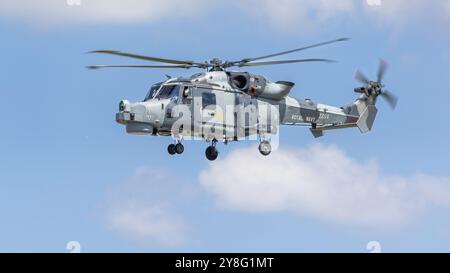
168 91
151 93
208 99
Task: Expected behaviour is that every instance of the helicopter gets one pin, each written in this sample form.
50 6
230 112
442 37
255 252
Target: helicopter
227 105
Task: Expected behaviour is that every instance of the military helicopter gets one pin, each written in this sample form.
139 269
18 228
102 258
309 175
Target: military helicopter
224 105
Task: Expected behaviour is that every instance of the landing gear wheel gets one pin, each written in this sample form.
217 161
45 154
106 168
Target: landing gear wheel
171 149
211 153
179 148
265 148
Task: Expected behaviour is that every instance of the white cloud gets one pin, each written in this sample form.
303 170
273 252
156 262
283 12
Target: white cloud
285 15
100 11
294 15
154 224
144 208
322 182
312 15
398 13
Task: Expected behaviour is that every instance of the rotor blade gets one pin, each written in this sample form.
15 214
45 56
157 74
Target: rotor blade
381 70
390 98
290 51
359 76
286 62
139 66
146 58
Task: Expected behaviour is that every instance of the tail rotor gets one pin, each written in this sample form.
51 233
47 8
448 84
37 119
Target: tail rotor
376 88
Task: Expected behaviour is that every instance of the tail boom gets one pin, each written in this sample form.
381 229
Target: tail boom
360 114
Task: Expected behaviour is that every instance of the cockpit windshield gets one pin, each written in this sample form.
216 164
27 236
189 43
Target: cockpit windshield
168 91
152 92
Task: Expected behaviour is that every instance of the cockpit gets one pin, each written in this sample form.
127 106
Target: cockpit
159 91
152 92
168 92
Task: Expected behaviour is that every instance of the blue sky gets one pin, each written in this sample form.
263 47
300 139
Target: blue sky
69 172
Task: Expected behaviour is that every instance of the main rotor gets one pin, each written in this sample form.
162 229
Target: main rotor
214 64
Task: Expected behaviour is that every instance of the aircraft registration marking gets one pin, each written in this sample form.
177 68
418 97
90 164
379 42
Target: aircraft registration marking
324 116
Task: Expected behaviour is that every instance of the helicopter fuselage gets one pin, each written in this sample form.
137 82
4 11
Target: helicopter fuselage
226 106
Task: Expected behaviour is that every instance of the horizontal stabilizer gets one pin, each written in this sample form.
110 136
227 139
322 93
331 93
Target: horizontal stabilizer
317 132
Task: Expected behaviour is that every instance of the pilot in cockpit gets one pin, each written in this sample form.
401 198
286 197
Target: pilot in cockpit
186 94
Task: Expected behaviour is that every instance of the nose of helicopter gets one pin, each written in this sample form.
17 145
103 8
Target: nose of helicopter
135 116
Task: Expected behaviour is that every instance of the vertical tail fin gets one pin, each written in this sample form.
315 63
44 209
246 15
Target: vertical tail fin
367 118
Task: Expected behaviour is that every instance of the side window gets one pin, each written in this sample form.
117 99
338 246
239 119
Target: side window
175 92
208 99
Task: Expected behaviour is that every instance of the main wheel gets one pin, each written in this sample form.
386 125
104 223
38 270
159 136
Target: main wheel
179 148
211 153
265 148
171 149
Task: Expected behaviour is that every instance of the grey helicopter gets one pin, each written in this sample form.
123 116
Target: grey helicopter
226 105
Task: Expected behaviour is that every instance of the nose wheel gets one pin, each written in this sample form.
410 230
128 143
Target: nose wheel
171 149
265 148
175 149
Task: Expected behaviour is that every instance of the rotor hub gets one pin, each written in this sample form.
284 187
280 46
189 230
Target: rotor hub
216 64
